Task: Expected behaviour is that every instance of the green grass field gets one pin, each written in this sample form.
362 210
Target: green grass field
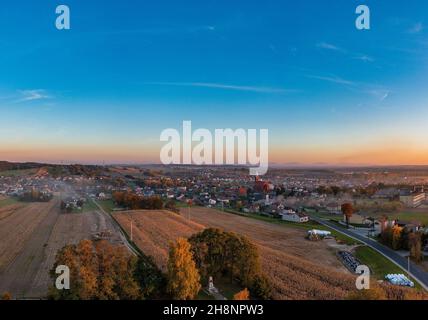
107 205
411 216
379 265
87 207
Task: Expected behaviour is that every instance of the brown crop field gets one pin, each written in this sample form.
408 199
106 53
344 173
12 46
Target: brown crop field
298 268
69 229
16 226
7 211
153 230
31 237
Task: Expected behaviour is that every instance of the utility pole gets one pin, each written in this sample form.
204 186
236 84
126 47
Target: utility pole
189 204
408 265
132 234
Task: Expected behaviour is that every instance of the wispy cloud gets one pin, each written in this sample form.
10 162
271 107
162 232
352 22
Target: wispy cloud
33 95
356 56
329 46
333 79
258 89
364 58
416 28
380 93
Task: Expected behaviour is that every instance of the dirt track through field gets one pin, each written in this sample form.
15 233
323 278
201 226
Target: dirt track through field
298 268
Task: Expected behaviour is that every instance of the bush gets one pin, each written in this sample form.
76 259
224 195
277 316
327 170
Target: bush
261 288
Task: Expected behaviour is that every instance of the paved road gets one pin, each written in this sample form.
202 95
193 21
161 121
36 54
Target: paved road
415 271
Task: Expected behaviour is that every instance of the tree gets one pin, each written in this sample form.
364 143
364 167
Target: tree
242 295
415 246
119 197
219 254
261 287
151 280
183 277
348 211
6 296
386 236
335 190
172 206
116 273
396 237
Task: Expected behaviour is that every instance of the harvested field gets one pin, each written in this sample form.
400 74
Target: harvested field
153 230
68 229
17 226
298 268
7 211
27 232
31 237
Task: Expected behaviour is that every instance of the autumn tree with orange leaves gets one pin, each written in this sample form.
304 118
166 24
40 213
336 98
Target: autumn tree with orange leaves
242 295
98 271
183 276
6 296
348 211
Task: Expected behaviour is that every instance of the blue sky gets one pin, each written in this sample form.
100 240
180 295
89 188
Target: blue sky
126 70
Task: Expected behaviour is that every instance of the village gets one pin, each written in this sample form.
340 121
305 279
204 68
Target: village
340 209
379 200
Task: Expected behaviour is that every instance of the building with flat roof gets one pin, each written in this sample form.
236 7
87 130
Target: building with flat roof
412 199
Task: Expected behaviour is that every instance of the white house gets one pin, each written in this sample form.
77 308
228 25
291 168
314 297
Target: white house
293 216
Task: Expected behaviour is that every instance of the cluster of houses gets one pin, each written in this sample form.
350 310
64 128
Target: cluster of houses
14 186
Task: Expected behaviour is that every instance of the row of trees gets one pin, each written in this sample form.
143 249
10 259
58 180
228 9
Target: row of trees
101 271
35 195
76 170
399 238
136 202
